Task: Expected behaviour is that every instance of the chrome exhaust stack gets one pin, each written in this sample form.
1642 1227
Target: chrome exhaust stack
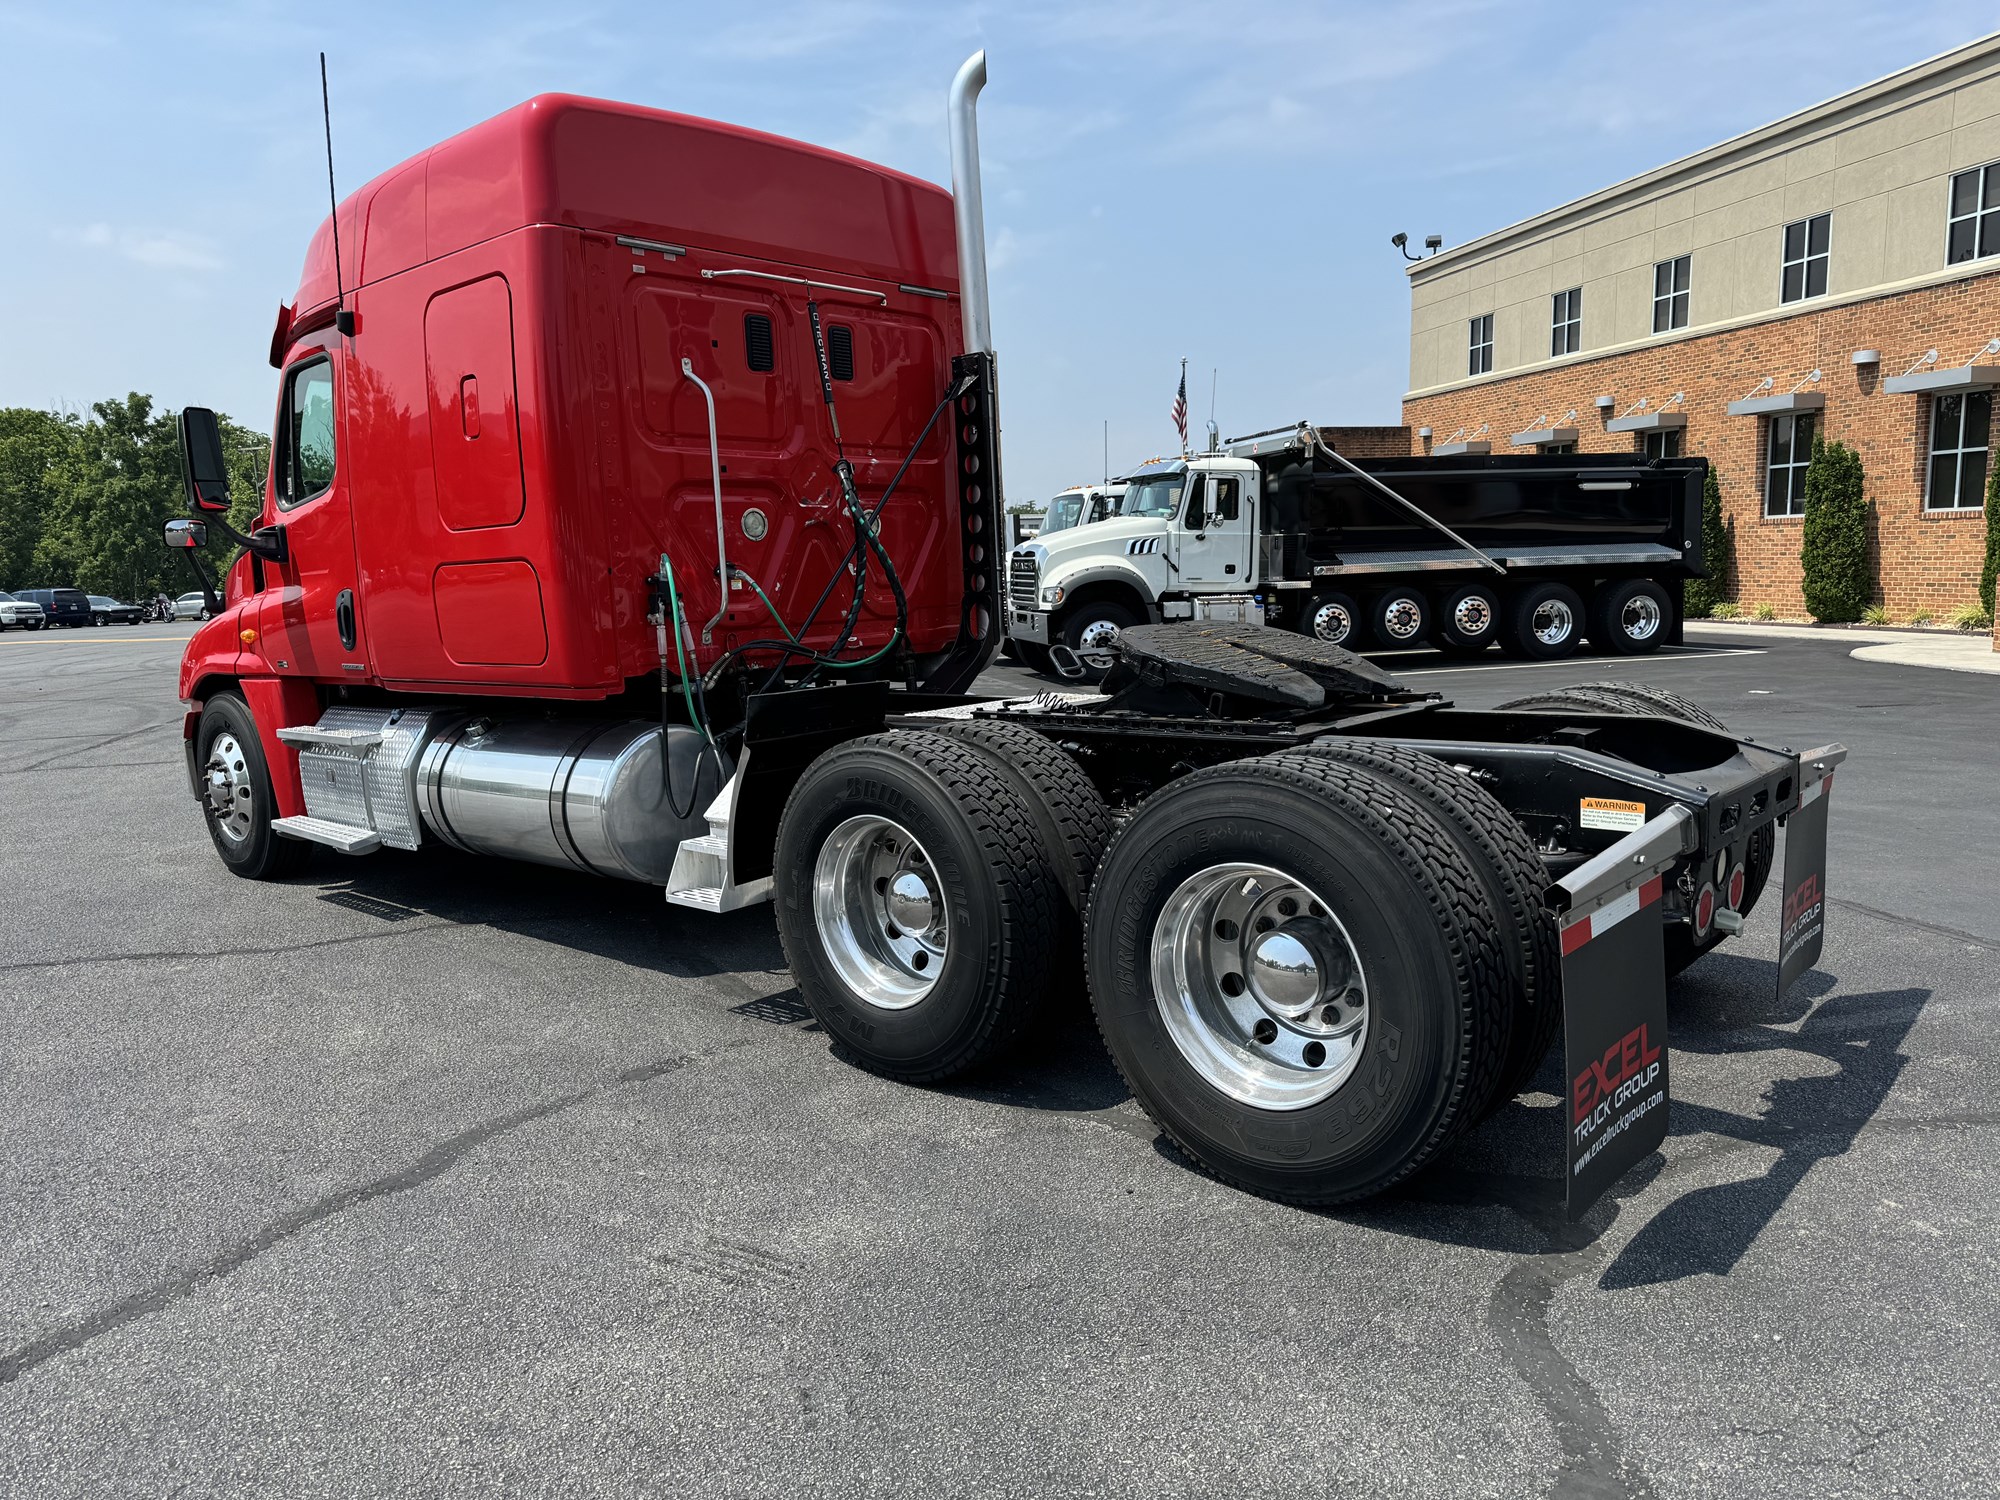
968 205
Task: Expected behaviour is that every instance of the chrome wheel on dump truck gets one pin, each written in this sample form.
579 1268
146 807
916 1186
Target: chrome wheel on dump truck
916 903
1331 617
1630 617
1296 975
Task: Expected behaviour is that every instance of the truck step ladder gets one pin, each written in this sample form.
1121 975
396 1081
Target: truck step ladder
702 865
356 745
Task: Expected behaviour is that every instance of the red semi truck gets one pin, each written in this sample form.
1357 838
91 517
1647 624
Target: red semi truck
635 507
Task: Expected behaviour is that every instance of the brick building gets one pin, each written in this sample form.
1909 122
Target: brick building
1837 272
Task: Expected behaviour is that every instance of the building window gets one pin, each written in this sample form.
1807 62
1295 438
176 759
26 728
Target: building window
1566 322
1785 470
1670 294
1974 228
1961 428
1665 442
1805 258
1481 359
1553 449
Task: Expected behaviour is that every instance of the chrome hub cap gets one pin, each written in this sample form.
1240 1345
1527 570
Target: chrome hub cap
1641 619
226 787
1259 986
1472 616
1096 643
880 912
1332 623
1403 619
1553 623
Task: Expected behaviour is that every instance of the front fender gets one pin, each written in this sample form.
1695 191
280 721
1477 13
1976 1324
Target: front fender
1104 570
214 650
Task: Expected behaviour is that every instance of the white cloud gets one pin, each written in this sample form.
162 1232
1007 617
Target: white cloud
159 249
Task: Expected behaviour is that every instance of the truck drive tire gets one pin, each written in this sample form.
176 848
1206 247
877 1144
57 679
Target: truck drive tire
1092 631
1400 617
1630 617
1542 622
1498 850
237 801
1468 619
915 903
1683 947
1296 977
1333 617
1070 816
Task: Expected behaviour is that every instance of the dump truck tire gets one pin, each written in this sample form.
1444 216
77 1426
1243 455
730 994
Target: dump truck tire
1500 852
1630 617
1304 890
1542 622
915 903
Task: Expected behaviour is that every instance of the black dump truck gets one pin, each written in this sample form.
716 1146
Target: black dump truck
1534 552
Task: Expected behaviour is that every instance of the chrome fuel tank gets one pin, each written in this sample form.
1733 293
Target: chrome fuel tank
586 795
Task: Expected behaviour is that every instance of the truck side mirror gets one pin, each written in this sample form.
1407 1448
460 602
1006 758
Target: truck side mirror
202 469
188 534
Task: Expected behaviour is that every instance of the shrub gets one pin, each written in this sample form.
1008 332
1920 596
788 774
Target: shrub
1921 617
1834 555
1699 596
1767 611
1875 614
1972 617
1992 568
1724 609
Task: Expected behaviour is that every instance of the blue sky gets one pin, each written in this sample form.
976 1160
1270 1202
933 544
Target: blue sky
1212 180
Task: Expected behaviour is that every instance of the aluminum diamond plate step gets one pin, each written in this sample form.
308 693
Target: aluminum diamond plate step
342 836
353 742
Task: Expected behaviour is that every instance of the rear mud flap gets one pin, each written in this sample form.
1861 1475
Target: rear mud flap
1614 980
1803 929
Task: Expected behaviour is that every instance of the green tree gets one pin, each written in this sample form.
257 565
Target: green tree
38 454
1699 596
1991 570
1834 553
85 502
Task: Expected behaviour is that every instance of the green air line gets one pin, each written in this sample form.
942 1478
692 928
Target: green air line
687 690
831 666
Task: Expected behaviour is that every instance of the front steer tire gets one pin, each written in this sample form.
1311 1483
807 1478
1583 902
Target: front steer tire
238 803
926 1004
1435 1002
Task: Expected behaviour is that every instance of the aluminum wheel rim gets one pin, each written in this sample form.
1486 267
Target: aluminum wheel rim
1553 622
1641 618
1473 616
226 788
1095 643
1403 620
1332 623
880 912
1260 986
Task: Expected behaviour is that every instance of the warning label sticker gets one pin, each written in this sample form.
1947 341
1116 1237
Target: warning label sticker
1609 812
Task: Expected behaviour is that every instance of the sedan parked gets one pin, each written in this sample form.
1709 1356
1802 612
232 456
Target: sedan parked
108 611
60 606
22 612
191 607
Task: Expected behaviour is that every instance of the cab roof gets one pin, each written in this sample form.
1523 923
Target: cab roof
625 170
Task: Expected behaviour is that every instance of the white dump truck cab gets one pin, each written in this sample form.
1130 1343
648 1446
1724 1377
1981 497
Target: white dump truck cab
1181 546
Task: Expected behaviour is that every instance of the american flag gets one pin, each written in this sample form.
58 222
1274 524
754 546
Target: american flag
1180 407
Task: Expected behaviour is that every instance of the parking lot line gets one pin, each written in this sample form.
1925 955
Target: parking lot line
1571 662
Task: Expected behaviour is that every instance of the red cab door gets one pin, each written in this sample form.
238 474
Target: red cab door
311 619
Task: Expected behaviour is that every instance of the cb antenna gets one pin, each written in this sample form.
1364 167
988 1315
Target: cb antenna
342 318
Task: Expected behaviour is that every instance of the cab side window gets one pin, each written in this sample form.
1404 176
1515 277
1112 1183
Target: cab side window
1197 490
306 445
1224 506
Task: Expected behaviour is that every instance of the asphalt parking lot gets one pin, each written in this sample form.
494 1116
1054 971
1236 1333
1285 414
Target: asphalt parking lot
428 1175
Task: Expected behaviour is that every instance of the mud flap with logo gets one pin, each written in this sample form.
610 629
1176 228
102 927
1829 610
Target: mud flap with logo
1614 980
1803 929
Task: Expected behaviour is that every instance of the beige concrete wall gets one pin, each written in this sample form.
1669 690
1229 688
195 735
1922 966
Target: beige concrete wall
1879 160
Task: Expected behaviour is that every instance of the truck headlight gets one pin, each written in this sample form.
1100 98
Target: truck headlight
1052 597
